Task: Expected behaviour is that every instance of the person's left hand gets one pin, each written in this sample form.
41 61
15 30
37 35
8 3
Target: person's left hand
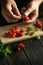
10 11
31 10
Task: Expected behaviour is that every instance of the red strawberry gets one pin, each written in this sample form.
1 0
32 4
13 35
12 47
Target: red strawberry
13 31
26 18
21 45
10 33
14 34
38 24
16 27
22 30
20 34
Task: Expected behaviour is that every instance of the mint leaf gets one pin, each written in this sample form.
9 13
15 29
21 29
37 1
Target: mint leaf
5 49
8 50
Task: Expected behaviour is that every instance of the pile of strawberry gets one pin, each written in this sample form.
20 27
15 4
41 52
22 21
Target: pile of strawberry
14 32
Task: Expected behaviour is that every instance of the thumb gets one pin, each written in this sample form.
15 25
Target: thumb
16 10
28 11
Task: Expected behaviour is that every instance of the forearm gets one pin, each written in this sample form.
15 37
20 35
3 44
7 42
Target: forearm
40 1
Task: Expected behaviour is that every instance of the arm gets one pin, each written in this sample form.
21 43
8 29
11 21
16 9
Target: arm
40 1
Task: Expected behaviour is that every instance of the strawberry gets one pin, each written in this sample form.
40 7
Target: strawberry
17 33
16 28
14 34
13 30
26 18
20 34
38 24
10 33
22 30
21 45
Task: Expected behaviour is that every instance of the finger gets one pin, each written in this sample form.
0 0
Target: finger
12 21
13 15
16 10
32 14
33 17
28 11
7 14
8 19
32 20
23 10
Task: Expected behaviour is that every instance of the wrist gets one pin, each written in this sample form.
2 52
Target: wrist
40 1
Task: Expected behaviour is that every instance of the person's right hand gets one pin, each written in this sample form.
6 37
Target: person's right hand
31 10
10 11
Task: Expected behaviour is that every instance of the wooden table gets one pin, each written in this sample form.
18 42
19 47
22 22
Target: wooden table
32 54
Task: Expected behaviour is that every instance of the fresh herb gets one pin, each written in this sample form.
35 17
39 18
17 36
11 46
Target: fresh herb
22 17
31 29
37 29
5 49
38 37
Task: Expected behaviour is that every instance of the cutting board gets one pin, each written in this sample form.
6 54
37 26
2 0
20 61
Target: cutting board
7 40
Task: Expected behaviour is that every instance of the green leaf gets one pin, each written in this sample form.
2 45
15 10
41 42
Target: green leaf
31 29
38 37
31 32
5 49
22 17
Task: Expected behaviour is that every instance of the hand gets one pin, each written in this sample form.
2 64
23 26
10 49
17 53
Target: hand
10 11
31 10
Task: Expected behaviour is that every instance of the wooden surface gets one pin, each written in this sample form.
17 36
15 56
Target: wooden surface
7 40
32 54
